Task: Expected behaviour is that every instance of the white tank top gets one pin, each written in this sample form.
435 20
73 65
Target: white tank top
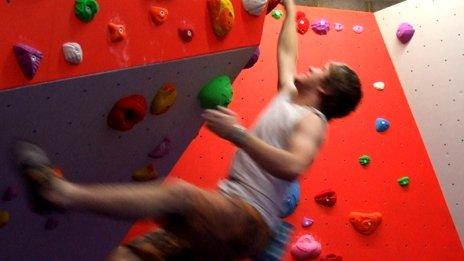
247 179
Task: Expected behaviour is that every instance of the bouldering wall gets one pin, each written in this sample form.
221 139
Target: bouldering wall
416 223
65 107
430 70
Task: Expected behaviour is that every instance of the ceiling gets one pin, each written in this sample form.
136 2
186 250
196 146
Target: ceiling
359 5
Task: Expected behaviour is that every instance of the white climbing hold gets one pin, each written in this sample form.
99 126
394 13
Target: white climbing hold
379 86
73 53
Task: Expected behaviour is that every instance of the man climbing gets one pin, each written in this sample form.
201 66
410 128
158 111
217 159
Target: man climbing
238 219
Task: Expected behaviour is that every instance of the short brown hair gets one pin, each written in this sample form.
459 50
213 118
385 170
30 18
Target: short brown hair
342 92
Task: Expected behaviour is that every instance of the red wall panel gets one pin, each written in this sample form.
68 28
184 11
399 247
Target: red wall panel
416 222
46 25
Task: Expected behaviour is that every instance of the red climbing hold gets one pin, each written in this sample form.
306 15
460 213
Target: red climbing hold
331 257
302 23
185 32
326 198
158 14
127 112
365 223
117 32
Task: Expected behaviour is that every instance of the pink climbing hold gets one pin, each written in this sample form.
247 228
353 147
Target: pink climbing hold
339 27
358 29
321 26
405 32
307 222
10 193
161 150
306 247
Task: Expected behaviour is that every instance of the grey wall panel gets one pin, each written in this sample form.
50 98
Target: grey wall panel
68 119
430 68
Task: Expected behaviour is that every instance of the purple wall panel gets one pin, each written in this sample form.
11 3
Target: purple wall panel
68 119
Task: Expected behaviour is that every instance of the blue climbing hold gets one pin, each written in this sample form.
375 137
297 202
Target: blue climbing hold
291 200
381 124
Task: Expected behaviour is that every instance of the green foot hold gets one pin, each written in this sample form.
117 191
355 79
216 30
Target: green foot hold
85 10
404 181
364 160
277 14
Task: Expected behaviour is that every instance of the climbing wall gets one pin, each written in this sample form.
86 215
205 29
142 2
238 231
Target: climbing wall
416 222
430 69
64 107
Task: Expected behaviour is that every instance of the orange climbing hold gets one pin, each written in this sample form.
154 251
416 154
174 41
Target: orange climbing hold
4 218
164 99
146 173
158 14
117 32
365 223
222 16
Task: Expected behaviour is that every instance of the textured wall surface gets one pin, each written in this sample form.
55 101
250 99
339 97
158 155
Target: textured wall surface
430 70
68 118
416 222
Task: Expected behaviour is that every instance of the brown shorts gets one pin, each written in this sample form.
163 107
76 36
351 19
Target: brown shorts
207 226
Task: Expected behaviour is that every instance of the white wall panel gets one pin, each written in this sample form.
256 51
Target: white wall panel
431 70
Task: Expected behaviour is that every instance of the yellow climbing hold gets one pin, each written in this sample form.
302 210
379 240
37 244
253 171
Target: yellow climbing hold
164 99
4 218
146 173
222 16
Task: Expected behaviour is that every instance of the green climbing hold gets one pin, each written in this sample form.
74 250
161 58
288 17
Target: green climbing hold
217 92
85 10
404 181
364 160
277 14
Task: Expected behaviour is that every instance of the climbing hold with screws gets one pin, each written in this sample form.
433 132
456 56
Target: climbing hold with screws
321 26
28 58
127 112
403 181
405 32
365 223
85 10
381 125
117 32
164 99
73 53
222 16
326 198
159 15
364 160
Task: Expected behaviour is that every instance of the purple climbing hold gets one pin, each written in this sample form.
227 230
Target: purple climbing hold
381 125
405 32
339 27
307 222
51 223
253 59
161 150
10 193
28 59
321 26
358 29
